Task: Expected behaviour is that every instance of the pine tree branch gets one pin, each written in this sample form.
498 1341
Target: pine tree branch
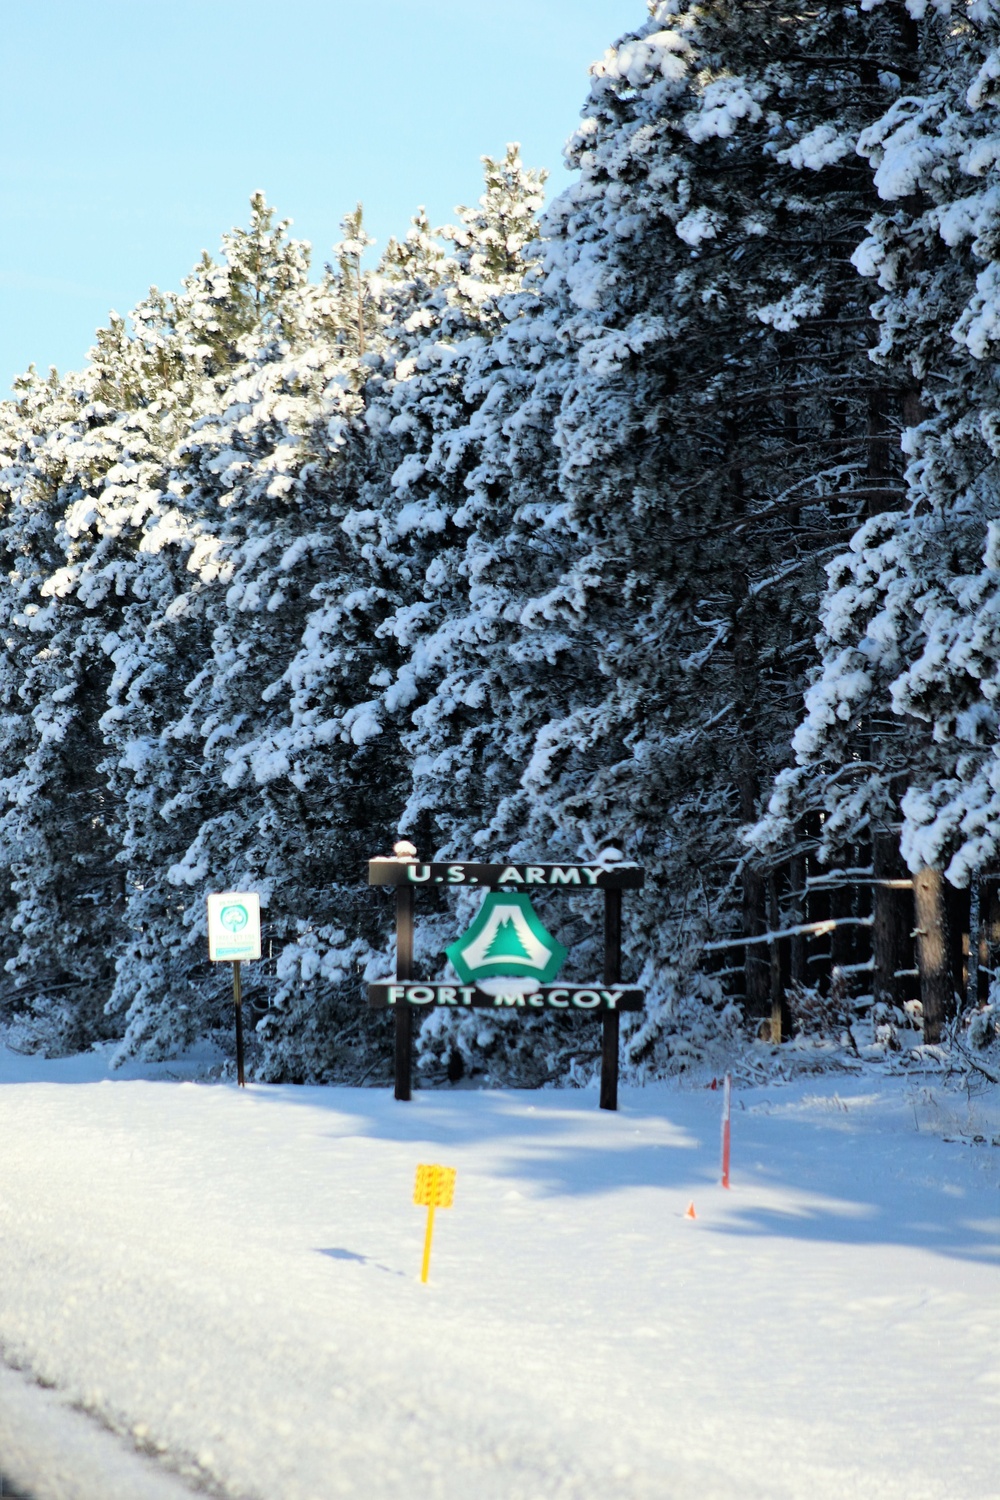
816 929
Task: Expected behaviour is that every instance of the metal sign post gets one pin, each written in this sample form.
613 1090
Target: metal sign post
234 935
506 959
238 1004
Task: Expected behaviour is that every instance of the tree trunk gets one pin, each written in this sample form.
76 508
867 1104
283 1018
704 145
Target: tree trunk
779 1019
797 915
747 777
975 930
932 950
842 939
892 946
989 942
883 444
956 906
757 965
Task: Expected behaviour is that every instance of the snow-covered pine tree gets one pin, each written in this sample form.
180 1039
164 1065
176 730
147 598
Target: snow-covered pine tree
357 294
623 665
227 465
901 722
56 848
242 469
364 666
113 540
87 529
87 489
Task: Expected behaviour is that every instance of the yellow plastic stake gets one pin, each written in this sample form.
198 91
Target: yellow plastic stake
425 1269
434 1188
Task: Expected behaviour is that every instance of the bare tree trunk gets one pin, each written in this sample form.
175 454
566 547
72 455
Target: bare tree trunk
975 930
842 939
757 968
747 776
932 950
779 1022
883 443
798 956
892 946
989 943
956 907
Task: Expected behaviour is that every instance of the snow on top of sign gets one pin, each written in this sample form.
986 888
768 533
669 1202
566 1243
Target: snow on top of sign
614 858
509 985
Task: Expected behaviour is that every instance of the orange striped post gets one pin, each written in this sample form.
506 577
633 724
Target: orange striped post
726 1100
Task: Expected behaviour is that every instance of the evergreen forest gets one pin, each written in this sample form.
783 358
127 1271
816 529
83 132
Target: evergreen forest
660 523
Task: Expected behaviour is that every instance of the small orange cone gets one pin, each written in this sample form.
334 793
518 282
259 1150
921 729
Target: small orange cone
690 1214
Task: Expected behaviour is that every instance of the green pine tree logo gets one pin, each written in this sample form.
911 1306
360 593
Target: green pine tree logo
506 943
506 937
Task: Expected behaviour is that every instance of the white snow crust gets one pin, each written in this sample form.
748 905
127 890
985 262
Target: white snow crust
229 1281
68 1455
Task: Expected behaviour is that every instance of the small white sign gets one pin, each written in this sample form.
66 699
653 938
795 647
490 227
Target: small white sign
233 926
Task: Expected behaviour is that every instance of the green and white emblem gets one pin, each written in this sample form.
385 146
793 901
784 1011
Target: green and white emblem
507 939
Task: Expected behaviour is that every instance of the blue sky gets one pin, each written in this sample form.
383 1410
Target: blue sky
136 130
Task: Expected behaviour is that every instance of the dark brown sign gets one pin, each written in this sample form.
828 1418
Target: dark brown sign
404 994
543 997
507 877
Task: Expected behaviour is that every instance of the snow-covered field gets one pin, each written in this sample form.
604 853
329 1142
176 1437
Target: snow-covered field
226 1284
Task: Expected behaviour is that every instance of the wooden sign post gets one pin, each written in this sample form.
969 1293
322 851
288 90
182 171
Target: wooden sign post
612 975
404 971
506 959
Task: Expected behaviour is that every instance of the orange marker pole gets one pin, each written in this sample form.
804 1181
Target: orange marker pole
726 1097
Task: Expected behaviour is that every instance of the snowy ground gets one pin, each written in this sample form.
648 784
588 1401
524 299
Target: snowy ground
219 1289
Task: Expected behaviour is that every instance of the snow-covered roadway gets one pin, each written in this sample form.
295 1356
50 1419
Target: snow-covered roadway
228 1280
68 1455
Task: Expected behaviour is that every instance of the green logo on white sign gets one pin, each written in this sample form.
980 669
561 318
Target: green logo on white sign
234 918
506 939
